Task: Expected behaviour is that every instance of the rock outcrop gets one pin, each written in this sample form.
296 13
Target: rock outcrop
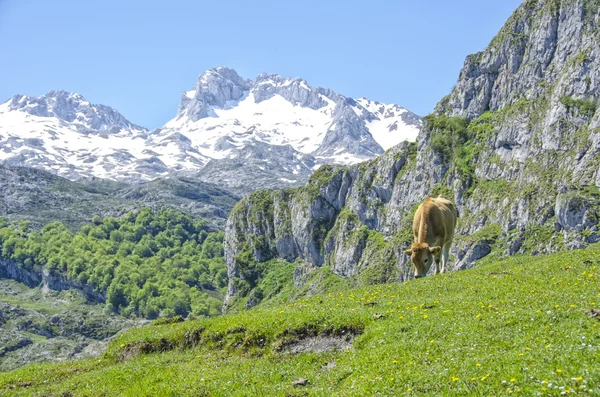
54 281
516 145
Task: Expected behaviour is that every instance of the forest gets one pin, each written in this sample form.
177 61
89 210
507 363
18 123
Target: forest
150 263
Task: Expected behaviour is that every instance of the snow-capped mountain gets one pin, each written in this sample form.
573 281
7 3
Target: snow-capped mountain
224 112
268 132
64 133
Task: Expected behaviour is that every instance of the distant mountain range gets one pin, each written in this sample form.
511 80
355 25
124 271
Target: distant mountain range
37 196
243 134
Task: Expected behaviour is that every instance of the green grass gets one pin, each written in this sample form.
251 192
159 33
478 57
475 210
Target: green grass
516 326
586 106
34 299
39 307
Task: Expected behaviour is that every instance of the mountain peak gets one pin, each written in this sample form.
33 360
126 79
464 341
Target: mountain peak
229 112
64 94
221 73
73 108
214 88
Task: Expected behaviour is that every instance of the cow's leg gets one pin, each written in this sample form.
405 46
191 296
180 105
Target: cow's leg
445 254
437 259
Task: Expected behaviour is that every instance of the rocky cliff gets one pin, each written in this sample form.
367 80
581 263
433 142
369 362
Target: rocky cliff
54 281
516 145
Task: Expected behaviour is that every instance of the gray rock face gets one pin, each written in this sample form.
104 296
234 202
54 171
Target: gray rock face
259 165
57 282
215 87
539 41
525 175
475 252
295 91
348 135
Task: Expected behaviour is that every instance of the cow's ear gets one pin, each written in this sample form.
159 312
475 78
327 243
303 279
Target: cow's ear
408 252
435 250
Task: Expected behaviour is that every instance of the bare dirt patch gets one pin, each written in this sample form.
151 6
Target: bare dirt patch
319 344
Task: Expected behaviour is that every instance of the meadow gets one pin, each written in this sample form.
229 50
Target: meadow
517 326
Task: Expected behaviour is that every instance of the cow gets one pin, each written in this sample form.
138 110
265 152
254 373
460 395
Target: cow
433 229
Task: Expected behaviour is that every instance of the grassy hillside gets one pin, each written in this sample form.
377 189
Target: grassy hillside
519 326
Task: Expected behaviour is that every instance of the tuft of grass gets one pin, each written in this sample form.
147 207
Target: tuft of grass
585 106
514 326
489 233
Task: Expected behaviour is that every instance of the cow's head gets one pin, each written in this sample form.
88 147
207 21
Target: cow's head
422 257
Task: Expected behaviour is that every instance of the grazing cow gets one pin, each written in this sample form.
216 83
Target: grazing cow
433 228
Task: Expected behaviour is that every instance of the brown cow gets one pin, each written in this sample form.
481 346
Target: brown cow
433 228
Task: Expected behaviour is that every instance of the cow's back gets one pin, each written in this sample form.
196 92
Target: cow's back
439 217
444 217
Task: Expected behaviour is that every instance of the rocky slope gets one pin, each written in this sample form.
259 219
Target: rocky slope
40 197
40 325
225 121
516 145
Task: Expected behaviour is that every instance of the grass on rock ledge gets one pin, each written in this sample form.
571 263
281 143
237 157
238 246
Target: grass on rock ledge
519 326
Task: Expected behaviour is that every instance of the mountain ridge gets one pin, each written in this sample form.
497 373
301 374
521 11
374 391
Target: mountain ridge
40 197
222 115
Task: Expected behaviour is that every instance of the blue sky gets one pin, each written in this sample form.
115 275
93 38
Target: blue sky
139 56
